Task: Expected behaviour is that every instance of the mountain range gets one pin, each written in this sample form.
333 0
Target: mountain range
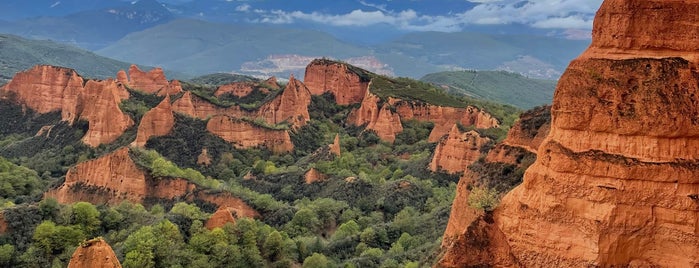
275 38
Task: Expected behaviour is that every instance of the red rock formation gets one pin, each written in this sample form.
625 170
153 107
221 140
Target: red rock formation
101 109
457 151
524 138
238 89
220 218
313 175
243 134
335 146
159 121
387 123
150 82
291 106
272 83
334 77
115 177
443 117
95 253
203 159
383 121
51 89
616 181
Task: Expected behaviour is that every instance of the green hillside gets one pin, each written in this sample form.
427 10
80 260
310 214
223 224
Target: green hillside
17 54
497 86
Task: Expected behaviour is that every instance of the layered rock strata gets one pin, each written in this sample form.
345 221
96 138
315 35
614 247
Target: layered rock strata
346 85
244 134
46 89
115 177
457 151
616 181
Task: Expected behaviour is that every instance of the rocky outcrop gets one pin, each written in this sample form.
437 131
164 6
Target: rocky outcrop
348 86
524 138
95 253
243 89
615 182
244 134
313 175
383 121
220 218
291 106
151 82
386 121
46 89
159 121
457 151
443 117
204 159
115 177
335 146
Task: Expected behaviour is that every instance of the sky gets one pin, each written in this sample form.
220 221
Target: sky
542 14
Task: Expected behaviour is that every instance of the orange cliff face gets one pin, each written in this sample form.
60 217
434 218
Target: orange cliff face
150 82
52 89
524 138
243 89
115 177
616 181
220 218
383 121
457 151
95 253
159 121
386 121
291 106
329 76
243 134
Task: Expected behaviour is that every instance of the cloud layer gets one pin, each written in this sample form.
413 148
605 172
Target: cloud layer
546 14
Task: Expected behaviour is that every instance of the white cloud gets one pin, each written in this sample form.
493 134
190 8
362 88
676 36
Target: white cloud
243 8
548 14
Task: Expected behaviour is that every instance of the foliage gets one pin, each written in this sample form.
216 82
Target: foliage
483 198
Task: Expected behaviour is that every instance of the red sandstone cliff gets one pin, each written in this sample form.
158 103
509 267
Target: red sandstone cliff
243 89
150 82
386 121
347 86
115 177
291 106
457 151
159 121
95 253
243 134
220 218
616 180
47 89
524 138
335 146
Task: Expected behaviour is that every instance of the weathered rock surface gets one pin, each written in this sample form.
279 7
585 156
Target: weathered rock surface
347 86
457 151
220 218
335 146
115 177
386 120
616 180
243 134
151 82
291 106
47 89
243 89
159 121
95 253
313 175
524 138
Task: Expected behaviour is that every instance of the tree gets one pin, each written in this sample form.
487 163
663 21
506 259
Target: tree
316 260
273 248
87 216
139 248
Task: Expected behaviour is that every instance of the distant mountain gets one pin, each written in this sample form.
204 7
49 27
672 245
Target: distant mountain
22 9
534 56
17 54
199 47
92 28
497 86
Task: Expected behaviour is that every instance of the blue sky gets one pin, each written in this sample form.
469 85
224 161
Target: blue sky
411 15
